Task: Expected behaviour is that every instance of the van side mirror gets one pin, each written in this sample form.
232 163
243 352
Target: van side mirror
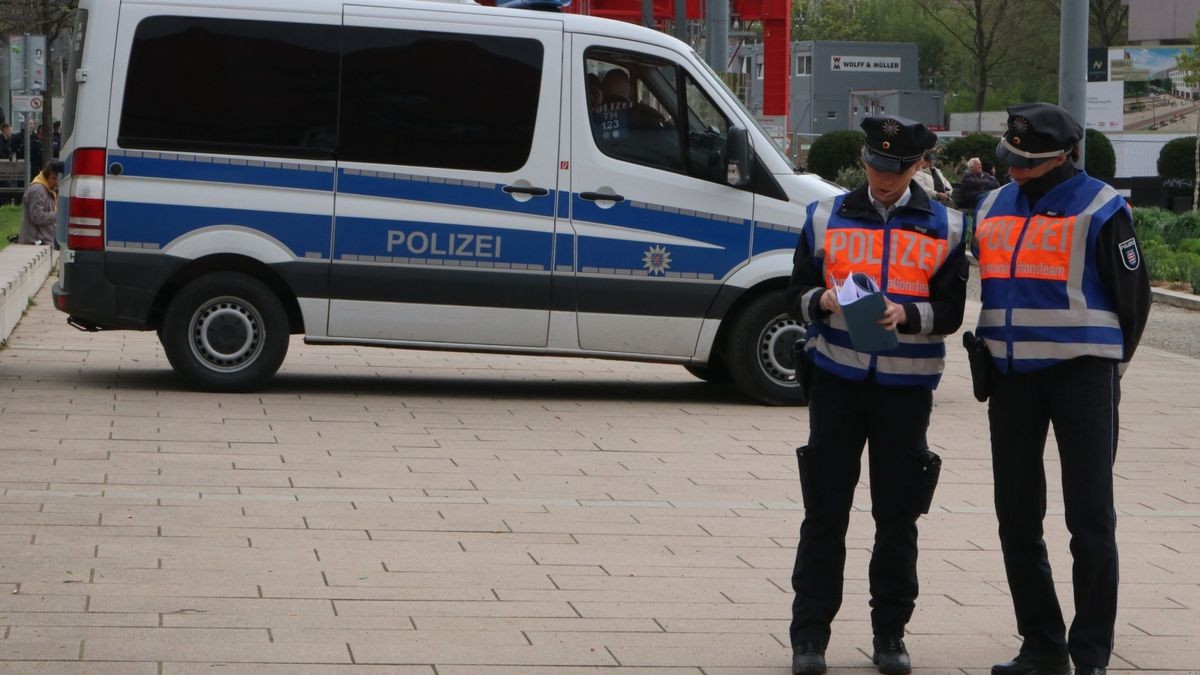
737 157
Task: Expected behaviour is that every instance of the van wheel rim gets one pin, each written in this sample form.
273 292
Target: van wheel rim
775 355
226 334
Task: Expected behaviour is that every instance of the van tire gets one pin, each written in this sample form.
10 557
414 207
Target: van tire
225 331
759 351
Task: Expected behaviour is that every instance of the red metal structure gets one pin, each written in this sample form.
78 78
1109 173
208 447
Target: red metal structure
776 18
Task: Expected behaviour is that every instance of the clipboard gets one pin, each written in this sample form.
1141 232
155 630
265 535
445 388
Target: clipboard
862 307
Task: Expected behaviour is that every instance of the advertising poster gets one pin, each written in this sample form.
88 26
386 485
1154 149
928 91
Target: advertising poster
1140 89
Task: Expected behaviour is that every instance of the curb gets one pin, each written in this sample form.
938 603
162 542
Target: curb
23 270
1176 299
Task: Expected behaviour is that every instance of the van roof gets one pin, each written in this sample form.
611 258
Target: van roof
574 23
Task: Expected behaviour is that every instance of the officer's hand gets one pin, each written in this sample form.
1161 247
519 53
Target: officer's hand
829 301
893 315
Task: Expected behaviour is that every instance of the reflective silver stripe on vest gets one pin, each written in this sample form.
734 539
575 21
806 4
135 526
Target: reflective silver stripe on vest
899 365
954 233
1077 312
1062 351
820 223
841 355
1051 318
989 200
806 302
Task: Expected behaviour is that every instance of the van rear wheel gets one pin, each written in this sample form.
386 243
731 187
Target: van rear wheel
225 332
759 351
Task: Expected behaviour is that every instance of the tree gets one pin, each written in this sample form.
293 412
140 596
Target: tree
40 17
1108 20
984 28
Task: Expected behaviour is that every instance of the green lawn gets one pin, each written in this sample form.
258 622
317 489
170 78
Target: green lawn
10 222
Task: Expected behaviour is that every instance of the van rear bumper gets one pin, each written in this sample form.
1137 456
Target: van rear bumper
112 290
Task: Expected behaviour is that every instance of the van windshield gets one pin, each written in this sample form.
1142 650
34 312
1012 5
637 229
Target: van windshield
753 120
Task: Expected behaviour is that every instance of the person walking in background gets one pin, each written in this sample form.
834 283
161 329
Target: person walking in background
882 399
975 182
56 139
1065 299
39 207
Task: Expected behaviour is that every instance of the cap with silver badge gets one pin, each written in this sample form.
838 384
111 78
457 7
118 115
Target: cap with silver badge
1037 132
895 143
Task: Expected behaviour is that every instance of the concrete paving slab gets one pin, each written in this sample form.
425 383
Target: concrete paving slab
375 511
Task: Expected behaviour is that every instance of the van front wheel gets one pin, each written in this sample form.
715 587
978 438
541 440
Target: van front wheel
225 332
759 351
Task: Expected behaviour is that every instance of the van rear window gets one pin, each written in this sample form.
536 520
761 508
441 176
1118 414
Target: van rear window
231 86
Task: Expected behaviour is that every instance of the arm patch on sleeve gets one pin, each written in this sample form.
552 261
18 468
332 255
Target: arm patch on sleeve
1131 257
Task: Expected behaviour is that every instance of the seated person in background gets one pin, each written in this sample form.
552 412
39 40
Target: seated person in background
595 95
39 207
975 182
618 114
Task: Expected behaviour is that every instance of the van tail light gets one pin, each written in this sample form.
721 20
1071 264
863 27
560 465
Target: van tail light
85 216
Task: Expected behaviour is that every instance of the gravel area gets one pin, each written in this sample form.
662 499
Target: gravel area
1171 328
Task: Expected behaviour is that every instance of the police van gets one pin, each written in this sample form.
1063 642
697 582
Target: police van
419 174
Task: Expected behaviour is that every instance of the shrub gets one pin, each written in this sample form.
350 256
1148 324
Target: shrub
835 151
851 177
1190 245
1177 159
1182 226
1149 224
1154 252
1099 159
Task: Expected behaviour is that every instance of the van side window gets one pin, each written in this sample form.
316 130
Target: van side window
231 86
442 100
638 114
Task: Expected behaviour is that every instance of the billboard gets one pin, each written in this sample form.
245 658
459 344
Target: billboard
1140 89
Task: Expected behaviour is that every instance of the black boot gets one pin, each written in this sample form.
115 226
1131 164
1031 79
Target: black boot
1089 670
1024 665
808 658
890 655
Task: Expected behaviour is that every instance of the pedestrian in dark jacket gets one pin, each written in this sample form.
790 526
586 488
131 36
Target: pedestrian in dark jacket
975 182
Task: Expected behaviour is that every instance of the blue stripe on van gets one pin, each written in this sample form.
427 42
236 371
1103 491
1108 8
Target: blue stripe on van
163 223
479 196
438 242
299 177
769 239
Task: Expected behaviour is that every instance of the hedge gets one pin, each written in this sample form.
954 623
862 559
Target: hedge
835 151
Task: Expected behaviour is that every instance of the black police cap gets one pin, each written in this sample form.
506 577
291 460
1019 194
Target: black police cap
1037 132
895 143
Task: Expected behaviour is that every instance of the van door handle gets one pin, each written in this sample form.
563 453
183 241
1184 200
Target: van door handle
601 197
531 191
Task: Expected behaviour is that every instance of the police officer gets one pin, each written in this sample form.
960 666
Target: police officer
912 248
1065 299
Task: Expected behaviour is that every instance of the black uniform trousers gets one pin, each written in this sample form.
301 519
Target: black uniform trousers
843 416
1080 397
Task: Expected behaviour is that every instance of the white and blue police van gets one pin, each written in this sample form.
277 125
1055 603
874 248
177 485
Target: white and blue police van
423 175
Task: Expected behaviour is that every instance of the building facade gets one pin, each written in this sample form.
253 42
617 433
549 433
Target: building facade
834 85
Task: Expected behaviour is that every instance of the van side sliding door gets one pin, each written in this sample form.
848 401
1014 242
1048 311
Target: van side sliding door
447 178
658 227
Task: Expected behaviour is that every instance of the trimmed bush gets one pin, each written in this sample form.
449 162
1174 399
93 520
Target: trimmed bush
1099 159
1177 159
835 151
851 177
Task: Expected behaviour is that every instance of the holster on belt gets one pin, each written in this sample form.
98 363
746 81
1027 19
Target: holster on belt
804 367
983 369
928 469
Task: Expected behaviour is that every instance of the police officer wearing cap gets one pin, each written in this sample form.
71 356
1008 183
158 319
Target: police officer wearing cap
1065 298
912 249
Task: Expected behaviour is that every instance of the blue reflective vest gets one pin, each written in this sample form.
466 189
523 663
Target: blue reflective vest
1043 300
902 256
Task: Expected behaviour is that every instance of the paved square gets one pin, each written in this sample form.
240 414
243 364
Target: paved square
377 511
